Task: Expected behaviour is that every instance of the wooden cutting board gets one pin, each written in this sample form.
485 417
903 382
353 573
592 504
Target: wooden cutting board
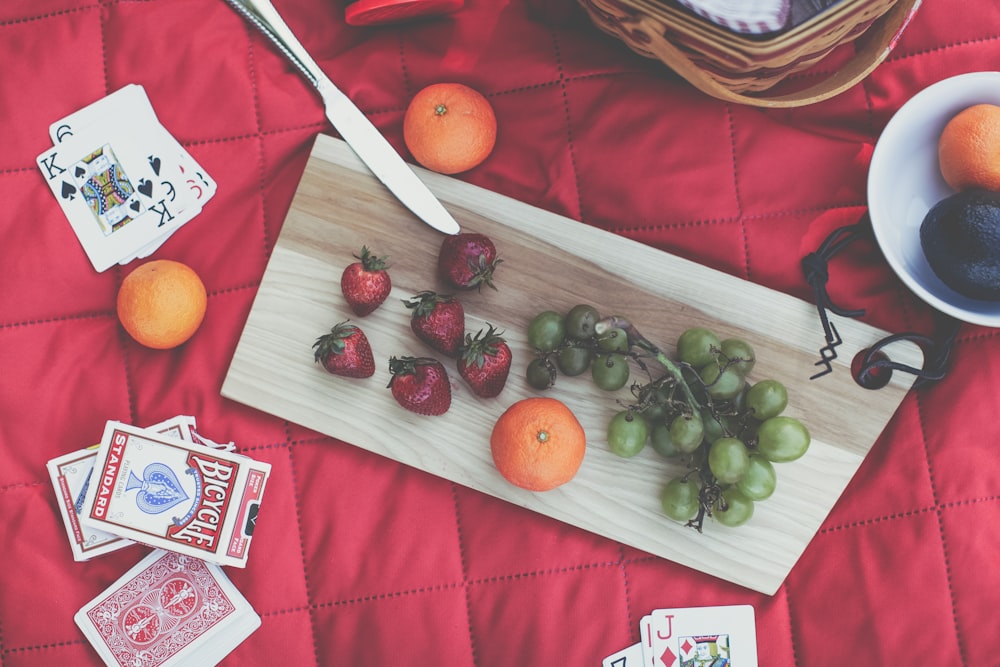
550 262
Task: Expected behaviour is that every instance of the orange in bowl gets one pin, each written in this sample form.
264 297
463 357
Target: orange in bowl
538 444
449 128
969 148
162 303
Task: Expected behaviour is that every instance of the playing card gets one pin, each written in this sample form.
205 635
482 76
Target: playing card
646 640
168 610
723 636
129 104
70 476
174 494
630 656
185 427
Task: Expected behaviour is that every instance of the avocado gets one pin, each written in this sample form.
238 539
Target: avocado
960 236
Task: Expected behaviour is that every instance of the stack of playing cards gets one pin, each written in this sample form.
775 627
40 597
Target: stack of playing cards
166 486
692 637
70 475
167 611
123 181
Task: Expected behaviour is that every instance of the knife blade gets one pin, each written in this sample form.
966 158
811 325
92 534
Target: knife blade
360 134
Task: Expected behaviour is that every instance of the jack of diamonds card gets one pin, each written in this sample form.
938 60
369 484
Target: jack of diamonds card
175 495
722 636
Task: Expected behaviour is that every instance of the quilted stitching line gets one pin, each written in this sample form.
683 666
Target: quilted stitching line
630 621
940 523
497 579
261 167
123 343
17 486
571 147
404 70
93 315
41 647
292 471
104 46
896 56
966 502
465 574
792 633
728 220
49 15
387 596
736 190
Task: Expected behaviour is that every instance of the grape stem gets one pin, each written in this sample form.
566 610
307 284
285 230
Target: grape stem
635 338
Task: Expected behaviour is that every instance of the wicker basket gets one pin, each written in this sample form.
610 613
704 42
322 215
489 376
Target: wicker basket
743 69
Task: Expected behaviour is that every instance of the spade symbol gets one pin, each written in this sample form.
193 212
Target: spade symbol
154 162
146 187
80 172
68 190
135 205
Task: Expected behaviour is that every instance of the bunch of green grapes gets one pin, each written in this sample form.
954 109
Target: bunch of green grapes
699 410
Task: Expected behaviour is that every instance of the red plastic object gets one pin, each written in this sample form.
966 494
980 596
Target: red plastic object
378 12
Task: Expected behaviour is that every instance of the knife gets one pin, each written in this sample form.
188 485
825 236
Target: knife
359 133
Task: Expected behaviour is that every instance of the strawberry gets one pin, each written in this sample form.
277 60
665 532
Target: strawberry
485 362
365 283
420 384
345 351
467 261
438 320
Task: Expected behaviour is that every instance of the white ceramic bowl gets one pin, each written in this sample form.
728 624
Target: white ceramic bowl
904 182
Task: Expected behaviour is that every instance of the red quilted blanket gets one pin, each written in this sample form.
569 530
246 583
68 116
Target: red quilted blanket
359 560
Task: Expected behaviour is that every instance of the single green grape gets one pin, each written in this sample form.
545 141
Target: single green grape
627 433
715 427
680 498
662 443
687 432
741 353
546 331
781 439
760 481
722 383
733 508
728 459
573 360
767 398
581 320
610 371
613 340
540 374
698 346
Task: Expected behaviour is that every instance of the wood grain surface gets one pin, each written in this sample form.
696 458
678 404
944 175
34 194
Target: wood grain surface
549 262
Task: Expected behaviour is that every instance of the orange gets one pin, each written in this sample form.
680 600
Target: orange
538 444
449 128
969 148
162 303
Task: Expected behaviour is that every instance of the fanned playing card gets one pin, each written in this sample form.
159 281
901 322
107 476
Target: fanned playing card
124 183
167 611
719 636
